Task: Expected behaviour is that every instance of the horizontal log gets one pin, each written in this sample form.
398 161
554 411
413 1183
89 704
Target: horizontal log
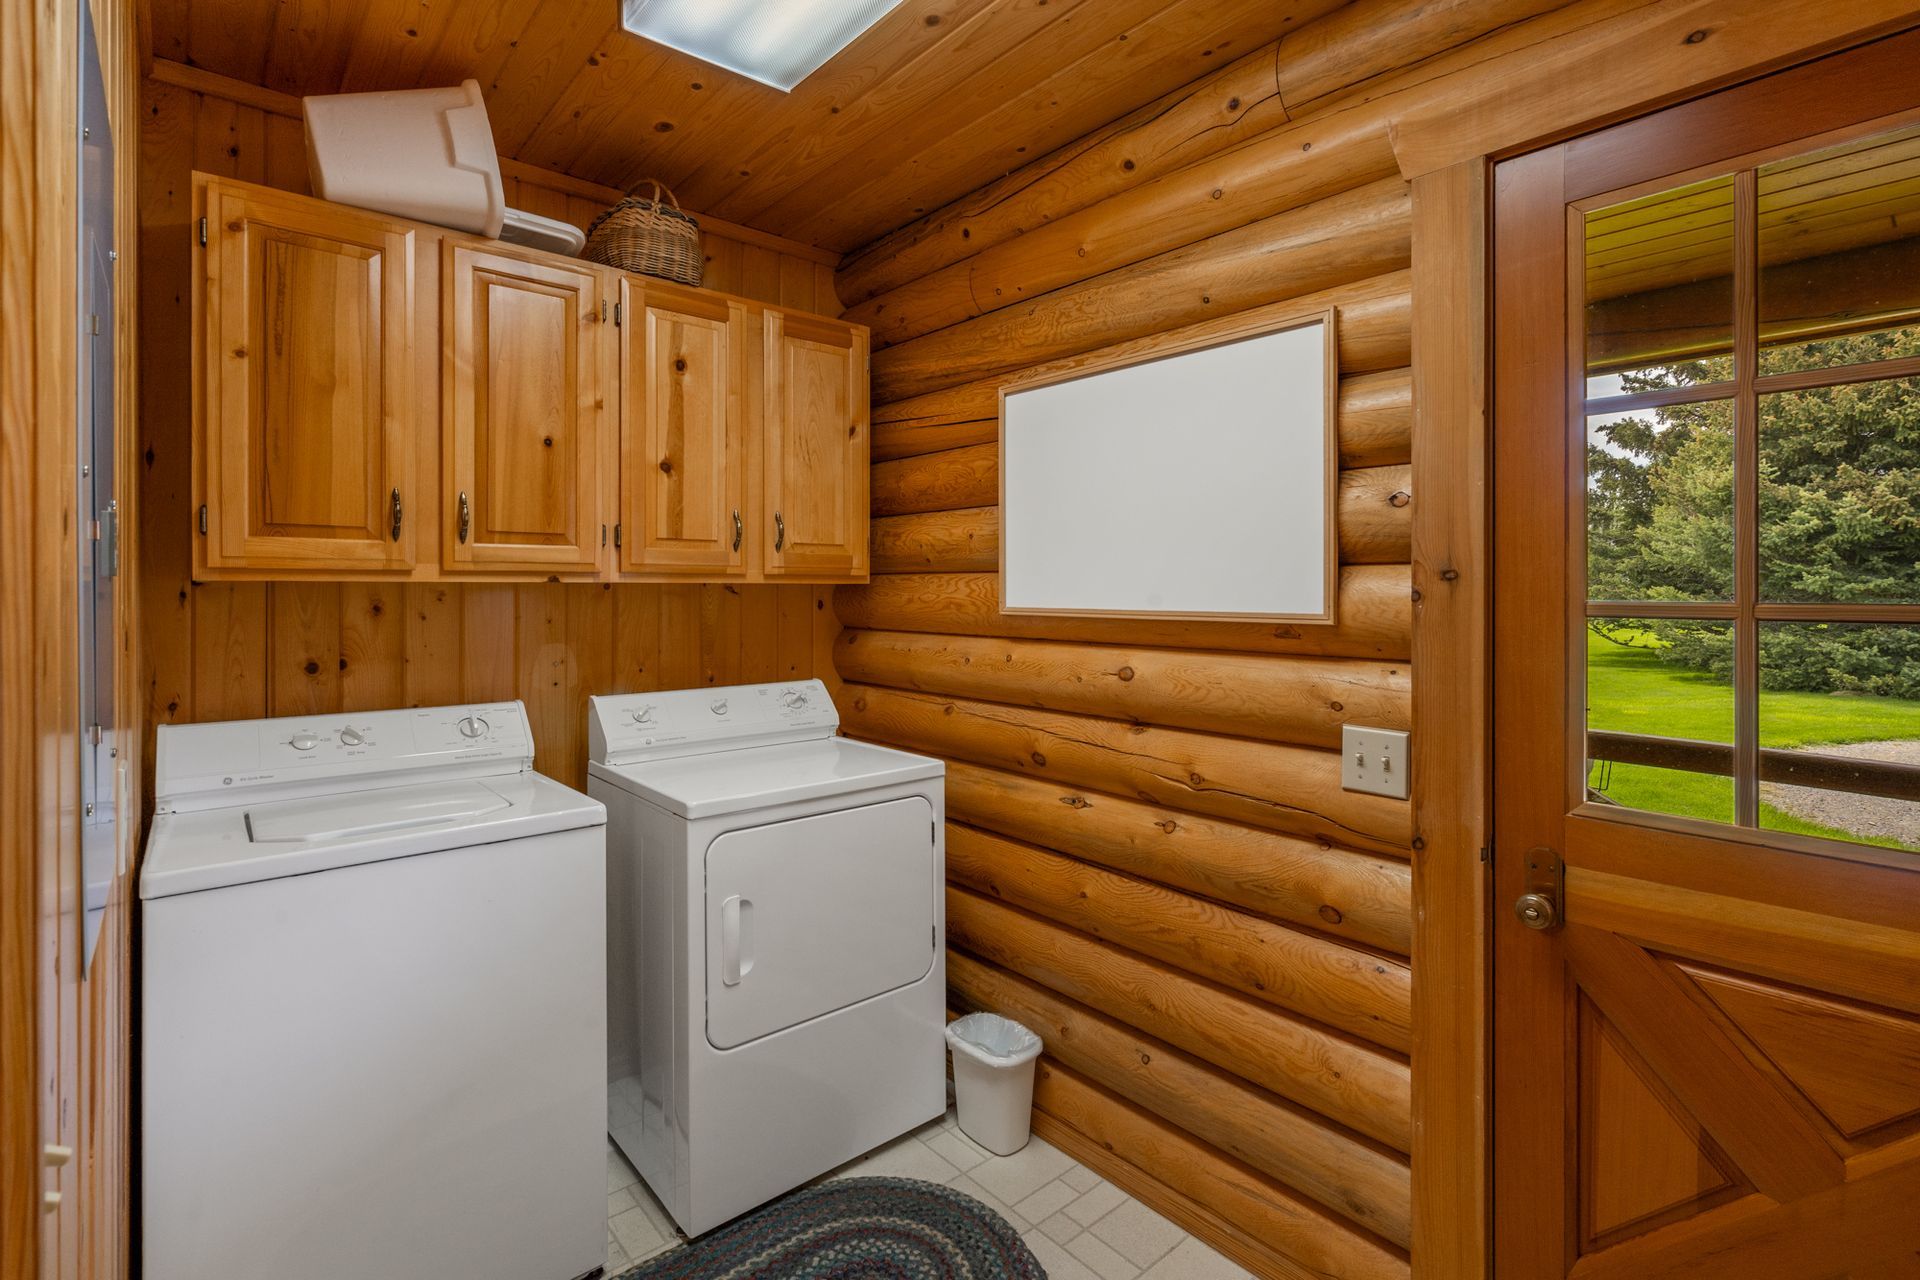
1375 616
1281 171
1254 1218
1356 1180
1376 420
1334 55
1237 102
1290 789
1375 515
963 541
947 481
1362 897
1342 986
1340 247
1302 700
1374 505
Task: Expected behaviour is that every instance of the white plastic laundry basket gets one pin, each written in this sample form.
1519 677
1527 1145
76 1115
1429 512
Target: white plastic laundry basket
993 1079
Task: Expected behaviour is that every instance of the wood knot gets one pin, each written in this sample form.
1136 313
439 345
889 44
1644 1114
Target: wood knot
1399 498
1330 913
1039 759
1167 825
547 441
1075 802
1419 843
1337 706
313 668
1125 673
666 466
1695 37
1449 575
679 366
1195 779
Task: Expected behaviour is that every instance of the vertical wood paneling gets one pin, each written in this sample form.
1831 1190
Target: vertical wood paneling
239 650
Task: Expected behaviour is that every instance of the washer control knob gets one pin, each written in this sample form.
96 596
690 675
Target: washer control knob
794 699
719 706
643 716
352 737
303 741
472 727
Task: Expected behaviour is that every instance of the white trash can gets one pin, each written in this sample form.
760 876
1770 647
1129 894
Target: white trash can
993 1079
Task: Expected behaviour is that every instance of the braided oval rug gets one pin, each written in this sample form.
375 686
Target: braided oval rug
857 1229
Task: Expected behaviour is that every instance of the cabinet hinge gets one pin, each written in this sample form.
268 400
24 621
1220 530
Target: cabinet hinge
203 519
616 315
203 231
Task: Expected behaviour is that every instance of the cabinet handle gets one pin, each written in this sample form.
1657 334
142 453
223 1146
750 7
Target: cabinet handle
779 531
393 529
466 516
739 530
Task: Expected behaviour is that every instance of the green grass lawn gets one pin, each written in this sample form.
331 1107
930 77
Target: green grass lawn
1629 690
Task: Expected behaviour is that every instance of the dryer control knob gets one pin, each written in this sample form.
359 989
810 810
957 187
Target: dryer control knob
719 706
352 737
472 727
303 741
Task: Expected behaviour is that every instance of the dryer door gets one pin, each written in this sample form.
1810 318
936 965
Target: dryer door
811 915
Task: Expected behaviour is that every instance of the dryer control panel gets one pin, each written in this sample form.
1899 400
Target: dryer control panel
683 722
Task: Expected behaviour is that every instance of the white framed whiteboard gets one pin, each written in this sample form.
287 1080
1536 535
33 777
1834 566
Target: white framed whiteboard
1190 475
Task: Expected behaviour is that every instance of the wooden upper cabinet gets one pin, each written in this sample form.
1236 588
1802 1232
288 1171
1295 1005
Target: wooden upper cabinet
683 482
527 398
305 423
816 445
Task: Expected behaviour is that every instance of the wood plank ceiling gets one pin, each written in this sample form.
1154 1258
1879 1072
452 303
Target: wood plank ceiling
941 97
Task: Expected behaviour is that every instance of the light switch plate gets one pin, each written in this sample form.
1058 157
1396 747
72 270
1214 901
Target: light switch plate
1374 760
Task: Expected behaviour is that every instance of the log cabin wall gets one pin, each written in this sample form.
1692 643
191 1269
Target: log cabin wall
1150 857
222 651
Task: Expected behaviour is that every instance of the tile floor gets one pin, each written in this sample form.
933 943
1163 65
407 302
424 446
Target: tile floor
1080 1226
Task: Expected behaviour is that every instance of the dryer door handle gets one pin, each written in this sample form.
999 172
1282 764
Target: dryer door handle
736 949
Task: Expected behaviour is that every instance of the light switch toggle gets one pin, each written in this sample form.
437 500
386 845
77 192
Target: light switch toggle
1374 760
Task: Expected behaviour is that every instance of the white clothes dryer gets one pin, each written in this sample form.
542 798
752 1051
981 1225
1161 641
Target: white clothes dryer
776 941
373 1003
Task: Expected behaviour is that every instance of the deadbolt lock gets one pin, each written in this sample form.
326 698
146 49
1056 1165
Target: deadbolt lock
1538 907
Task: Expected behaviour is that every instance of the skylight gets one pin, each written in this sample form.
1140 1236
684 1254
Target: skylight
777 42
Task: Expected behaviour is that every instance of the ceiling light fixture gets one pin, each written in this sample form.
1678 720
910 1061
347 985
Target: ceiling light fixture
777 42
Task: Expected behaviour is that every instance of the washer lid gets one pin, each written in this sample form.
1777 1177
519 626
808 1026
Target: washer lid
760 777
243 844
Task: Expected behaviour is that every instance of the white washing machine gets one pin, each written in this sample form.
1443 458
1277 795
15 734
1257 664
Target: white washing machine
373 1003
776 976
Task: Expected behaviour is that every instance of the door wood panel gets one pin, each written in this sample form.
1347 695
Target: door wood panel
1709 1065
816 426
682 422
527 437
307 416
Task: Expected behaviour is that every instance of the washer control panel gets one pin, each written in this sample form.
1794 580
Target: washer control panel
637 726
209 759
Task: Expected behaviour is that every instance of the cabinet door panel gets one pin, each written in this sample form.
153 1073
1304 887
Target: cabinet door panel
525 395
817 450
308 409
683 487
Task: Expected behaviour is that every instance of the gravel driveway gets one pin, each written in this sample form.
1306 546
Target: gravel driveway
1872 816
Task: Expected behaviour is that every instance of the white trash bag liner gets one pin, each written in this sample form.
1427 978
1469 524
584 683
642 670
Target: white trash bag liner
993 1079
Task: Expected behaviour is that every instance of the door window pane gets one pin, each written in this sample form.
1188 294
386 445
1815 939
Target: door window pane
1840 708
1840 494
1659 290
1660 503
1660 716
1839 234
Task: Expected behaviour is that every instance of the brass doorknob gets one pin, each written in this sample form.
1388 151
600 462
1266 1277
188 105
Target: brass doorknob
1536 911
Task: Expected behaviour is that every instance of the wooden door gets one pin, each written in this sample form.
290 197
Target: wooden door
1707 687
817 450
306 413
528 442
682 391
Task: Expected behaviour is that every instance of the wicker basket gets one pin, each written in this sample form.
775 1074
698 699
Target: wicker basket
651 237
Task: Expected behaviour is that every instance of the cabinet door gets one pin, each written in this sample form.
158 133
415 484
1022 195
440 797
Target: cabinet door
527 350
682 485
817 447
306 415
